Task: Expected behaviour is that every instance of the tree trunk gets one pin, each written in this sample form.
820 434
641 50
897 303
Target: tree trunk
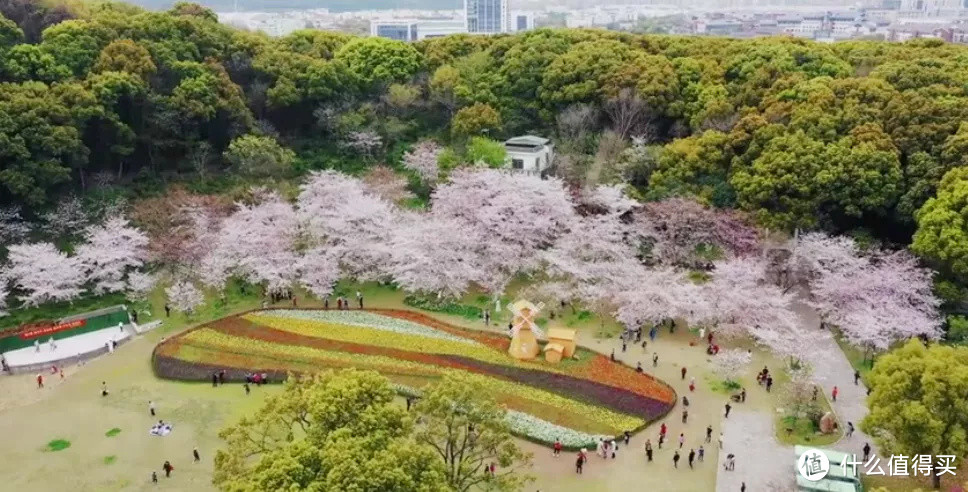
935 479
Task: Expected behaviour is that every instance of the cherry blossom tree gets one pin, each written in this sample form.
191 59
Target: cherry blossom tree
182 227
365 142
887 299
183 296
606 199
318 271
139 284
682 232
111 251
728 363
354 225
13 228
42 273
387 184
744 303
422 159
815 255
515 216
662 293
67 218
438 256
3 295
256 243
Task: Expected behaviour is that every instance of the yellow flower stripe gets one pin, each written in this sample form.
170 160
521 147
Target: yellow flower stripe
209 338
385 339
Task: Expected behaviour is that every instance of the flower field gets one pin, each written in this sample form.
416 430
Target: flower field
577 401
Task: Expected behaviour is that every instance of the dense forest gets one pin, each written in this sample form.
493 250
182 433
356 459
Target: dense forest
106 99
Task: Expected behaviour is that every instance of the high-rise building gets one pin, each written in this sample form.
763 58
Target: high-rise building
398 30
487 16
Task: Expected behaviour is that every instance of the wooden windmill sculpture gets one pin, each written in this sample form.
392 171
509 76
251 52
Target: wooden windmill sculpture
525 333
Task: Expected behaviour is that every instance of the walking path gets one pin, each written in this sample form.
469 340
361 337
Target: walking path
831 368
761 462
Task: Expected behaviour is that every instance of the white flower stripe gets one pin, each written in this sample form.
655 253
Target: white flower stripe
365 320
546 432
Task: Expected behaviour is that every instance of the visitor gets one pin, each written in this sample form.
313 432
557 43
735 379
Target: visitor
742 395
816 392
294 303
702 452
40 381
154 477
652 333
104 388
264 378
628 437
663 429
195 455
168 469
867 451
709 433
682 439
709 337
655 359
769 383
638 367
833 393
702 333
359 298
661 440
510 329
720 440
850 429
600 448
728 408
339 303
648 450
487 316
613 447
645 343
730 462
579 463
692 457
613 355
246 386
214 379
326 302
221 377
856 377
134 316
692 384
151 408
62 372
167 311
683 371
675 459
53 346
685 416
742 487
557 448
685 401
37 345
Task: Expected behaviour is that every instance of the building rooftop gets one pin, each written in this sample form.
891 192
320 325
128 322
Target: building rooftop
527 140
561 334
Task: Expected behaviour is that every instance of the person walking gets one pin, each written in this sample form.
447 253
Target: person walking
557 448
692 457
682 439
850 429
652 333
683 371
613 447
326 302
742 487
742 395
769 383
720 440
648 450
655 359
624 344
246 386
675 459
661 440
613 355
487 317
728 408
709 433
833 393
154 477
214 379
579 463
685 416
195 455
692 384
867 451
702 452
663 429
359 298
168 469
167 311
104 388
40 381
628 437
856 377
151 408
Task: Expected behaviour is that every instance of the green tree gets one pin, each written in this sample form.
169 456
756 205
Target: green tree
127 56
372 62
697 165
917 402
27 62
10 33
942 233
467 430
331 431
484 150
259 156
76 44
474 120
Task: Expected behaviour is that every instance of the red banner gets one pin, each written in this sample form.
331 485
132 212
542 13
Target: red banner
47 330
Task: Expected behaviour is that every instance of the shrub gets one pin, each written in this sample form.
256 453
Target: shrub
444 306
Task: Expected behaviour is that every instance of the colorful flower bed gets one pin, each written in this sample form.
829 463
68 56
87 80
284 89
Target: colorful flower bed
577 401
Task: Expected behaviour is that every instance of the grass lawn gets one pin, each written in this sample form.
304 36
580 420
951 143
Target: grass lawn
858 360
804 432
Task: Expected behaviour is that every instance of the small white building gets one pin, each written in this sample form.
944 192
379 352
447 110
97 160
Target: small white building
530 154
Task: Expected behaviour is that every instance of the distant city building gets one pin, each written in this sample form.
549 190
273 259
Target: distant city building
521 21
397 30
486 16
